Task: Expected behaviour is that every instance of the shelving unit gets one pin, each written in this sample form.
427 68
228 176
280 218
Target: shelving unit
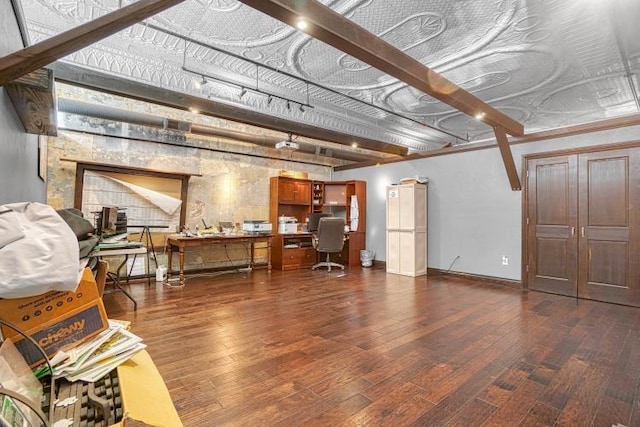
318 196
299 197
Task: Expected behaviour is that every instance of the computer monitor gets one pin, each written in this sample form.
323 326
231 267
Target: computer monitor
109 220
314 220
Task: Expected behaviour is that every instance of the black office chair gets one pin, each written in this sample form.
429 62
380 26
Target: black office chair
329 239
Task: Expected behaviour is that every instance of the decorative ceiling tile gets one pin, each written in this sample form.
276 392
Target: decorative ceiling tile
545 63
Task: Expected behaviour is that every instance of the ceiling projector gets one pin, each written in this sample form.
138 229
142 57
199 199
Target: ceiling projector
287 145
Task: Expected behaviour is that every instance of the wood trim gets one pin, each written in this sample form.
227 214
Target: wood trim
602 125
40 54
34 99
96 80
581 150
524 252
106 167
334 29
507 158
517 284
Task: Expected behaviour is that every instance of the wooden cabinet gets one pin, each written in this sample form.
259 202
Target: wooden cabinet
291 251
407 229
297 198
294 191
289 197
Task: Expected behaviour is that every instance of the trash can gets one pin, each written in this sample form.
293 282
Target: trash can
366 257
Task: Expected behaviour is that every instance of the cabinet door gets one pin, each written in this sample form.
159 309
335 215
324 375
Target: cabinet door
393 208
302 193
286 191
407 214
393 251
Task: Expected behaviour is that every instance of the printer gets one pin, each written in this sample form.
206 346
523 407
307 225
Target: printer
256 227
287 224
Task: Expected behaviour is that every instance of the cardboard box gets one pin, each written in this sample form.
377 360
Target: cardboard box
55 320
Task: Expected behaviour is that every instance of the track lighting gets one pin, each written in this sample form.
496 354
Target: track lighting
243 92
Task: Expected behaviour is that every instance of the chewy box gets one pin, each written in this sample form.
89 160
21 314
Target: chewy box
55 320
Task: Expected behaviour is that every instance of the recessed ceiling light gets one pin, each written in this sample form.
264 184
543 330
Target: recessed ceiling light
302 24
194 110
479 116
354 145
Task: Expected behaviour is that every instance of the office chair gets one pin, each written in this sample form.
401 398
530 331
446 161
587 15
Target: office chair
329 239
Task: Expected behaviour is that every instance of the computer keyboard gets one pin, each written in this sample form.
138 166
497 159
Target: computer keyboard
96 404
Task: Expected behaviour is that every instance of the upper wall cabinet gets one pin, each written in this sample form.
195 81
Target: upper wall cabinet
294 191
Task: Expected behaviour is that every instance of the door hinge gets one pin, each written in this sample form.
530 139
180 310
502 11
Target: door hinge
527 220
527 268
527 174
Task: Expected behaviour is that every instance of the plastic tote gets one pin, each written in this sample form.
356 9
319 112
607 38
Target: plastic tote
366 257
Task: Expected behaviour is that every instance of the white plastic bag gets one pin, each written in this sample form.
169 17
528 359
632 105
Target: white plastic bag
45 259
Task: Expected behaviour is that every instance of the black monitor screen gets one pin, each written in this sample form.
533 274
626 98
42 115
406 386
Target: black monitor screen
314 220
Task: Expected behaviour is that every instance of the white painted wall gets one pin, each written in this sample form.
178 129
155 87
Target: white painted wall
473 213
18 150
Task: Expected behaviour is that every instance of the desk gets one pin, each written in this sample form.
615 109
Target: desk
181 243
115 278
295 250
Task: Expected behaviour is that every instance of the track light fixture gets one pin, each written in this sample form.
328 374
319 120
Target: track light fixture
188 40
288 106
243 92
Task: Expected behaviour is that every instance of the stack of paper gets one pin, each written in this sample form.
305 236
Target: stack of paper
95 358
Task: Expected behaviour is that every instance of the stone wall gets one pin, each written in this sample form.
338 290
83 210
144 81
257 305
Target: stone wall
231 187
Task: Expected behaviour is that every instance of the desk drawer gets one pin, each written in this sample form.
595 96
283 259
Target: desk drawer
298 257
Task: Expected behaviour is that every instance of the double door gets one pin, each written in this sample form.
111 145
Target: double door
582 225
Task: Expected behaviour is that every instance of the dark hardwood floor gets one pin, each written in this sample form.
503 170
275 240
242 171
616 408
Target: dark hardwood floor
310 348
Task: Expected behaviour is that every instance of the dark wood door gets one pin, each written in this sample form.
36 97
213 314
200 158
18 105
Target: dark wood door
608 220
552 220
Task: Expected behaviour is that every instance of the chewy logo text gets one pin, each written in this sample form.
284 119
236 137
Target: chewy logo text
64 331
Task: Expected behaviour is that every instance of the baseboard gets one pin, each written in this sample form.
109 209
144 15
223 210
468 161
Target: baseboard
517 284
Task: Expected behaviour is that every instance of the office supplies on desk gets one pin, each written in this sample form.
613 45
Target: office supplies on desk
256 227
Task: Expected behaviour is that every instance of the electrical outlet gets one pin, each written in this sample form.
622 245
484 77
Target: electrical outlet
505 260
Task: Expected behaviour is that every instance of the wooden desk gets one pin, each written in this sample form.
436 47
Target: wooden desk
295 250
181 243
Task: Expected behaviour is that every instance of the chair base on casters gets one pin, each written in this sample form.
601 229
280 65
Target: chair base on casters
328 263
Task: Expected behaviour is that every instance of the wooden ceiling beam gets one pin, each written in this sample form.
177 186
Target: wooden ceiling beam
507 158
40 54
334 29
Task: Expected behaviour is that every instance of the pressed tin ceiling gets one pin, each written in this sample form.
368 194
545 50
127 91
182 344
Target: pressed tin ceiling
545 63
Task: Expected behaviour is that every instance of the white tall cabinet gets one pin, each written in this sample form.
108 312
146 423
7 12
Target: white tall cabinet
407 229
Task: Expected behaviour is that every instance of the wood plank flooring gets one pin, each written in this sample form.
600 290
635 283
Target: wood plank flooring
310 348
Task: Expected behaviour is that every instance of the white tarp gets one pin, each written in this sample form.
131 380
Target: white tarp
166 203
44 259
